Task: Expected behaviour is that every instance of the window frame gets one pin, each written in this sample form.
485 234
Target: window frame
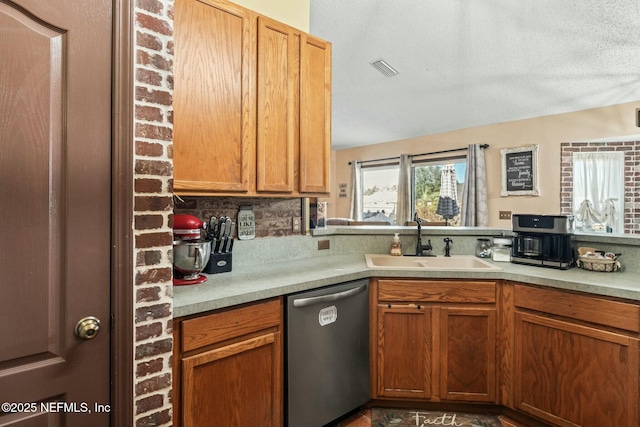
376 166
434 161
424 160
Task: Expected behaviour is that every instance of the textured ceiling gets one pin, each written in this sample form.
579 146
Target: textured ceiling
467 63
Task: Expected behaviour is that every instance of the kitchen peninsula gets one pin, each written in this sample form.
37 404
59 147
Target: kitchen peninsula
564 314
265 268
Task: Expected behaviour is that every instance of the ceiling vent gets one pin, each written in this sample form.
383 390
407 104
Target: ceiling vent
386 69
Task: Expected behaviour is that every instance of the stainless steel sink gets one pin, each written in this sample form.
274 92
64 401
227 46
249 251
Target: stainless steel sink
452 263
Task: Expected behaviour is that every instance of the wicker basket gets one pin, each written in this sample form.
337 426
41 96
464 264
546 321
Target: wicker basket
598 264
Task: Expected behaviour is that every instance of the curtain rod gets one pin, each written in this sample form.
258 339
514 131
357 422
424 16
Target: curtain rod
483 146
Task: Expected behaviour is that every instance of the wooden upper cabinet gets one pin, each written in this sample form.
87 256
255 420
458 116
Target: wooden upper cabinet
315 114
214 142
252 104
278 77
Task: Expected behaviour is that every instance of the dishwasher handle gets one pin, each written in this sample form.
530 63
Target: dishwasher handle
303 302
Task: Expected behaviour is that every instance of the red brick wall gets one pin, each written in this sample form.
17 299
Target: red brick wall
153 207
273 216
631 171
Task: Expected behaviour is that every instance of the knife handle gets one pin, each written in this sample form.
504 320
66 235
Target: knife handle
227 244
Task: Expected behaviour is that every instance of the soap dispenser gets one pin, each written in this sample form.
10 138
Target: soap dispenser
396 248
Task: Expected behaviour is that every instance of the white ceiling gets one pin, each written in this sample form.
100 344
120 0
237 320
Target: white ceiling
466 63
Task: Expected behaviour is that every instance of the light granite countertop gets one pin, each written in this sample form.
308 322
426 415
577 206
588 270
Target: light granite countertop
254 283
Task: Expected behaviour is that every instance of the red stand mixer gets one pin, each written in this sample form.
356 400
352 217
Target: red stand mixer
190 252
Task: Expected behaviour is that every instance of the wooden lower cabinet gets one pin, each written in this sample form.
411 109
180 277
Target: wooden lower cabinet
468 354
404 351
575 375
576 358
434 340
229 369
565 358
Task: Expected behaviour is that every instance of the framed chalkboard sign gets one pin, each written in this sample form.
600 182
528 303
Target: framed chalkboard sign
520 171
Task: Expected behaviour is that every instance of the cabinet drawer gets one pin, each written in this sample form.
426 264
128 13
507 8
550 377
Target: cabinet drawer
616 314
447 291
220 326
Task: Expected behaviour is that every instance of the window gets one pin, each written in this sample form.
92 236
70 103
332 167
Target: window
427 181
379 193
598 191
380 189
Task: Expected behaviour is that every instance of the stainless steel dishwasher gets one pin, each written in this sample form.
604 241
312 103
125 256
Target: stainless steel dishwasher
327 353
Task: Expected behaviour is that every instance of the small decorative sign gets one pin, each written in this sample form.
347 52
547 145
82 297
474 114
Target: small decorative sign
246 223
342 190
520 171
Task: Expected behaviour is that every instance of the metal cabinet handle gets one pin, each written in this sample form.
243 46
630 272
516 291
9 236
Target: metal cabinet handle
302 302
404 306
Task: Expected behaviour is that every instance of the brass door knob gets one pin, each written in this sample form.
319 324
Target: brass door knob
88 327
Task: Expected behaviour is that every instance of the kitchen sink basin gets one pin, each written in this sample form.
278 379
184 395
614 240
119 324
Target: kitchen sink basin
452 263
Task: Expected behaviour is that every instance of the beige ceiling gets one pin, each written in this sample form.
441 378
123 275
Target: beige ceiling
466 63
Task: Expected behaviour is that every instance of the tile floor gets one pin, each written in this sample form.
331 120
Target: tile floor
363 419
359 419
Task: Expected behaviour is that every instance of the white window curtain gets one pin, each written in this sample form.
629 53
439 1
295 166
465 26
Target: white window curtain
598 189
474 193
356 191
403 207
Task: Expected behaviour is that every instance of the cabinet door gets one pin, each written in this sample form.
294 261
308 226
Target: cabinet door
404 351
315 114
214 139
236 385
468 354
278 77
571 375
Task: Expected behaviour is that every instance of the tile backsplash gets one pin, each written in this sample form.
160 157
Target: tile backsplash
273 216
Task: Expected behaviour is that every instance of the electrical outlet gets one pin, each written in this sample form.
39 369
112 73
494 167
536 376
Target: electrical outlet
323 244
295 224
505 214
